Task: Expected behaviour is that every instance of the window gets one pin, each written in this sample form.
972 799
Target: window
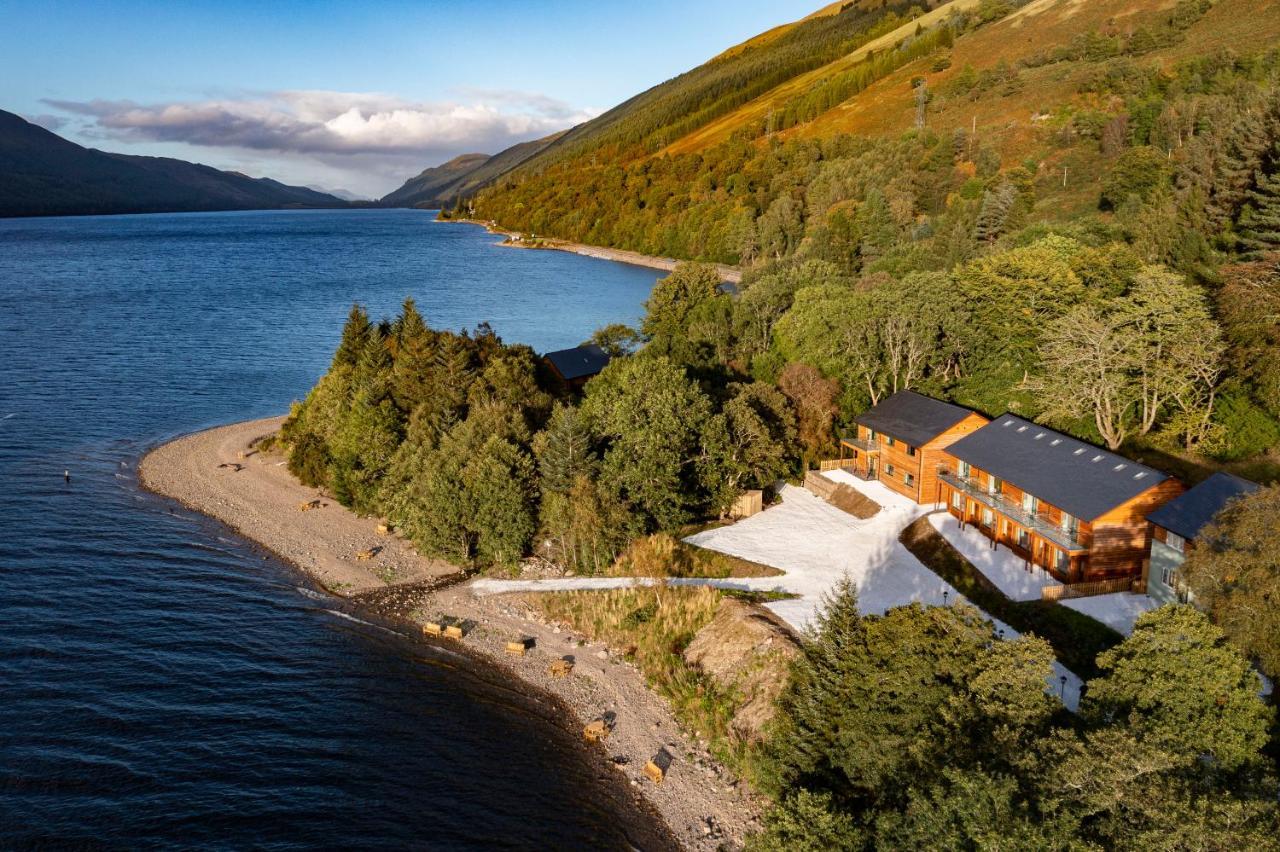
965 470
1024 539
988 517
993 484
1176 541
1169 575
957 501
871 436
888 470
911 451
910 479
1030 504
1063 561
889 440
1070 525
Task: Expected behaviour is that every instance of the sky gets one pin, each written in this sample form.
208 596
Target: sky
353 96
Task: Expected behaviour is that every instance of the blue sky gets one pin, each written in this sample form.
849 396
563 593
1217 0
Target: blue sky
351 95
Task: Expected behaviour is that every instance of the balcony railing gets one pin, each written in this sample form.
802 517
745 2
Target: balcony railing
1036 523
859 444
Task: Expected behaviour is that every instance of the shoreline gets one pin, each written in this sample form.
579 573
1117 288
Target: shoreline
698 806
728 274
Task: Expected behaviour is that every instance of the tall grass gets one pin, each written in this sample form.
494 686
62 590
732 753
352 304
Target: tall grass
653 626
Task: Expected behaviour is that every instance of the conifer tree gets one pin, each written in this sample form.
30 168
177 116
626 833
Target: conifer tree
414 358
354 335
1260 220
563 450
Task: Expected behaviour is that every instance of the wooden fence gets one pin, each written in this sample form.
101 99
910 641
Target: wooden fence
835 464
1087 590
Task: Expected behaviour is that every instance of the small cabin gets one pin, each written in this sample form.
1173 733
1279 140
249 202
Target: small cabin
1074 509
900 442
1176 526
576 366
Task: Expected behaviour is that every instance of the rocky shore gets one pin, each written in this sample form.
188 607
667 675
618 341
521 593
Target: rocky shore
223 473
728 274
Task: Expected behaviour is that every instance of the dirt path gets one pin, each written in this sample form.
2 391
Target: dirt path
701 804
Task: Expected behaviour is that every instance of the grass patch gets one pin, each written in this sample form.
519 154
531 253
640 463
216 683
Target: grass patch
1077 639
661 555
654 626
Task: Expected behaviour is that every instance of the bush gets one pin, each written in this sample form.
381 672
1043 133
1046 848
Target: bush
1138 171
1247 428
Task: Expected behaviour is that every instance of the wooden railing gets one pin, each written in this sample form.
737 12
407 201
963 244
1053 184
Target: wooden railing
1086 590
835 464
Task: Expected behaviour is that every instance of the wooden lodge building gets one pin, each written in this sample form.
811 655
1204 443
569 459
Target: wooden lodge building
576 366
901 442
1072 508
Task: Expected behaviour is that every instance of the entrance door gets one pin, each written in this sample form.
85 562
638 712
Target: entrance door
872 466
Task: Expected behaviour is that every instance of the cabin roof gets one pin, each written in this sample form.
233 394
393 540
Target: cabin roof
578 362
912 417
1079 478
1191 512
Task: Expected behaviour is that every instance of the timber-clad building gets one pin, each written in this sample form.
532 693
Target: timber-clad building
1067 506
901 442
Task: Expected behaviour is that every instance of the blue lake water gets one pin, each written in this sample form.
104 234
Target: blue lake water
162 682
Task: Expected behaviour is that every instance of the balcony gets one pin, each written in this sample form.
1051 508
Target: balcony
1001 505
859 444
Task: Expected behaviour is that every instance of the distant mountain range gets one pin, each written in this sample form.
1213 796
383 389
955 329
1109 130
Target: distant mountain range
462 176
42 174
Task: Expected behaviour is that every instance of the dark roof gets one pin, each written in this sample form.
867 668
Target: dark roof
912 417
1190 512
578 362
1078 478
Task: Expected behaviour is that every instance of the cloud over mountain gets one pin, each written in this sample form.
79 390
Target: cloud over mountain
336 123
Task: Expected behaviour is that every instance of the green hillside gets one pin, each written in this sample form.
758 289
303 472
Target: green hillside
461 177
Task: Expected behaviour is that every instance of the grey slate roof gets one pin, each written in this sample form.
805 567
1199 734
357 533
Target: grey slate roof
1078 478
912 417
578 362
1189 513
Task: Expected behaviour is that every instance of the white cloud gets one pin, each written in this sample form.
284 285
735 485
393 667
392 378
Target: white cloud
314 122
353 132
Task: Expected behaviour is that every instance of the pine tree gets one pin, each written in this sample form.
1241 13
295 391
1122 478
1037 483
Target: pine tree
563 450
354 335
1259 223
414 358
997 207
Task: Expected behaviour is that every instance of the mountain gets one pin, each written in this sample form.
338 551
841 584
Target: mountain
1044 87
42 174
344 194
462 176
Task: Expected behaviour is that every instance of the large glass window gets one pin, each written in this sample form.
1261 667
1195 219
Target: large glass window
1176 541
1030 505
965 470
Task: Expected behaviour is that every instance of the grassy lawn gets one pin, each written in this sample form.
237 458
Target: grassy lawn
1076 639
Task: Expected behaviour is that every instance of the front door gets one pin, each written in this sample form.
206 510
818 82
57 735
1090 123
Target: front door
871 467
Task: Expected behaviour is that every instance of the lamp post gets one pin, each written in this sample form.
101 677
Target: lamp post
1062 689
945 593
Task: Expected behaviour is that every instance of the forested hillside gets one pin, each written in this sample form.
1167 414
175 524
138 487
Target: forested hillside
1088 161
461 177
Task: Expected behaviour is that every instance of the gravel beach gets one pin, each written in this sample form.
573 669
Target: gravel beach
220 473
